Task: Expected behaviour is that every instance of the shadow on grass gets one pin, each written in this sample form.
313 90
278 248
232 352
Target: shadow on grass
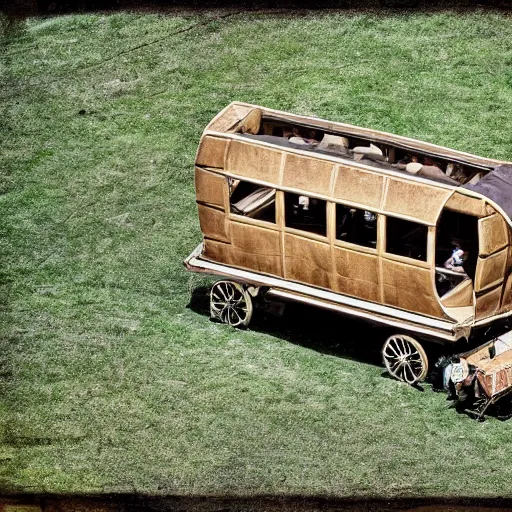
308 326
340 336
137 502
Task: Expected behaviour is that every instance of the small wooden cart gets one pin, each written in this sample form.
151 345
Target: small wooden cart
480 377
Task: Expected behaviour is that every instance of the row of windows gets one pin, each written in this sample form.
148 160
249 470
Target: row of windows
403 237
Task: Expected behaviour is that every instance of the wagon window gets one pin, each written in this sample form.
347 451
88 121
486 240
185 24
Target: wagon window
457 230
356 226
406 238
252 200
305 213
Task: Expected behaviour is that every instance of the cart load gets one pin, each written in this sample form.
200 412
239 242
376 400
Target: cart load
480 378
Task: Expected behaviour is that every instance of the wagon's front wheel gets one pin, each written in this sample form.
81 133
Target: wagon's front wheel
405 359
230 303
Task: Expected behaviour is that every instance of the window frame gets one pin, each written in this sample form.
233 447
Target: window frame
429 239
303 232
232 215
354 245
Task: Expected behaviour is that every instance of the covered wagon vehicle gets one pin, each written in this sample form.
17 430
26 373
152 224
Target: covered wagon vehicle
396 231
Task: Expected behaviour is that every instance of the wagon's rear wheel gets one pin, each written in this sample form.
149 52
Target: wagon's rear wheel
405 359
230 303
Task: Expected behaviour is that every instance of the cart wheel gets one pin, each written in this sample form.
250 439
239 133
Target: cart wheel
230 303
405 359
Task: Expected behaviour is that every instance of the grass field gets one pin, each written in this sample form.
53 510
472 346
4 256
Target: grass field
112 377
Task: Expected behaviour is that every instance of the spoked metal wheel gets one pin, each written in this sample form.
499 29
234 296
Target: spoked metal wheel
230 303
405 358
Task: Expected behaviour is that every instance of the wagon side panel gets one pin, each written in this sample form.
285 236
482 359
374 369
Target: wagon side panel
356 274
409 287
492 265
307 261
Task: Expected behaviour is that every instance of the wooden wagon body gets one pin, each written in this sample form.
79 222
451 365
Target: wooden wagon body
325 213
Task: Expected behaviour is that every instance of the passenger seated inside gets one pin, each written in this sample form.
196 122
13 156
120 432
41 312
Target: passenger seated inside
456 251
305 213
334 144
356 226
451 284
377 153
372 152
425 166
456 261
296 137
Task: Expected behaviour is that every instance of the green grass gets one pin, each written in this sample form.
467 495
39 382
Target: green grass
109 382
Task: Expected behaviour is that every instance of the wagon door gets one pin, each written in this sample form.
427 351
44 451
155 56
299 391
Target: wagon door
491 264
456 262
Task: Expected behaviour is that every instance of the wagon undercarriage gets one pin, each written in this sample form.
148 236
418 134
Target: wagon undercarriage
476 380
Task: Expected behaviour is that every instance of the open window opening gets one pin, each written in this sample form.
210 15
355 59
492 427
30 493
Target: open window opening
456 250
368 151
406 238
252 200
305 213
356 226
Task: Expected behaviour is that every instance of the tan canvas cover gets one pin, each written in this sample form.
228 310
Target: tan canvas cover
307 261
250 123
251 248
300 258
229 118
298 171
360 187
417 200
491 265
209 187
216 251
492 234
252 161
256 248
487 303
409 287
366 273
460 296
356 274
491 270
468 205
211 152
213 223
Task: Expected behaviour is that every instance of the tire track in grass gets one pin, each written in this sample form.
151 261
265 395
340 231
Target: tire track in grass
115 56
